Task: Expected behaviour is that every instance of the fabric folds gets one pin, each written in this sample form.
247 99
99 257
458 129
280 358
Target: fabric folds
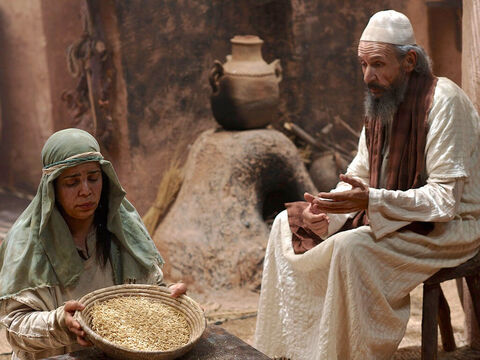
41 232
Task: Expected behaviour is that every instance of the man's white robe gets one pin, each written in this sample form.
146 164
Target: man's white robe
348 298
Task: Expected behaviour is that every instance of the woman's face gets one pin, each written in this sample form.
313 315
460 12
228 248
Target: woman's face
78 190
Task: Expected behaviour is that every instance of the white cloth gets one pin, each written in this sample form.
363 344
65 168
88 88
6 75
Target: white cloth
348 298
389 27
35 319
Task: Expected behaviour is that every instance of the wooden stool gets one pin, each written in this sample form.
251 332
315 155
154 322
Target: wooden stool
436 309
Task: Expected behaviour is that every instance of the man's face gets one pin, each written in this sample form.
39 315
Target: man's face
381 68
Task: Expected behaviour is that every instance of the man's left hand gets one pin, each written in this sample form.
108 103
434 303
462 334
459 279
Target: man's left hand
344 202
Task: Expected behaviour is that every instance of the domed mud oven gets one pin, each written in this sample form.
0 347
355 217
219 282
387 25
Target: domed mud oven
216 232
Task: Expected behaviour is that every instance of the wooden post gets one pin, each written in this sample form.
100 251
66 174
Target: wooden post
471 50
445 324
471 86
431 294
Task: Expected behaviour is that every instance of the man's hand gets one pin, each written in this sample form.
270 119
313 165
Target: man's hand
72 324
177 289
313 218
344 202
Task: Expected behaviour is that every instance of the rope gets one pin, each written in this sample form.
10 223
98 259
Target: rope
76 61
80 51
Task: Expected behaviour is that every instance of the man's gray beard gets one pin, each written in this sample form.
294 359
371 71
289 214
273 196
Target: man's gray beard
385 106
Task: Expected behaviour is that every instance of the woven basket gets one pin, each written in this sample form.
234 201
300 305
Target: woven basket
189 308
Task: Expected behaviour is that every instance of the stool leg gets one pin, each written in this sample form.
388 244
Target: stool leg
431 295
473 283
445 324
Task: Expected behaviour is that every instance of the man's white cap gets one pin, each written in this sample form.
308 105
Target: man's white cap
389 27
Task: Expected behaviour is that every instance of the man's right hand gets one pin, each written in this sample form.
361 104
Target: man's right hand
313 219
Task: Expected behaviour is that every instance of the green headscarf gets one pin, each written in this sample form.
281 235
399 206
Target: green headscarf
39 250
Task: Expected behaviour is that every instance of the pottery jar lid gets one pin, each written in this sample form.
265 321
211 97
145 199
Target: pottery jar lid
246 58
246 39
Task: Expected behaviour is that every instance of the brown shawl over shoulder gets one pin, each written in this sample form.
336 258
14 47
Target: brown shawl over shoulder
406 166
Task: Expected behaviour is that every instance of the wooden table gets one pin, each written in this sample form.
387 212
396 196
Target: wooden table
216 343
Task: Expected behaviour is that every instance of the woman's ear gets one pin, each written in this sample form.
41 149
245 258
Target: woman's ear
410 61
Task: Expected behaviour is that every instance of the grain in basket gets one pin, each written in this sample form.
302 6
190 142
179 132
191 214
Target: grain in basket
140 323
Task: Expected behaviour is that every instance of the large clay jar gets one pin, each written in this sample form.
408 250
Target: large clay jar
245 88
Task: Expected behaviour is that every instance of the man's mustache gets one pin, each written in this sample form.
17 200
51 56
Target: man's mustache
373 86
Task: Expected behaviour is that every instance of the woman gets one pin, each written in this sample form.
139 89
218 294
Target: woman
77 235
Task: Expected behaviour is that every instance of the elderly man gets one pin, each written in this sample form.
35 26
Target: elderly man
408 205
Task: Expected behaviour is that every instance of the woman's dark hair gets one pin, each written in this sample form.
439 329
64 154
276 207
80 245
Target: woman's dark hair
104 237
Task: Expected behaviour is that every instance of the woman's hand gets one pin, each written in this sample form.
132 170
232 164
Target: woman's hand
313 218
72 324
177 289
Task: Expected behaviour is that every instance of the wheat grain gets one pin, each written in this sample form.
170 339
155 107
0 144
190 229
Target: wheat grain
140 323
